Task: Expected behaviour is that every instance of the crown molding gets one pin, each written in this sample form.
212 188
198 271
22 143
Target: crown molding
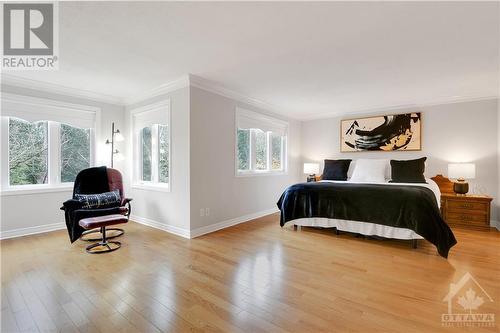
216 88
16 81
191 80
390 108
164 88
36 102
460 99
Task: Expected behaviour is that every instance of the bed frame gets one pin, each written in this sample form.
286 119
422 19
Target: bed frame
413 244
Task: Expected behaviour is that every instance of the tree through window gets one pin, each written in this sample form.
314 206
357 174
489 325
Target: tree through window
164 150
75 151
28 152
146 146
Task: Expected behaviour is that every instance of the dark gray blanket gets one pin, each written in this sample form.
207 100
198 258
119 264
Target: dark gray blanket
88 181
402 206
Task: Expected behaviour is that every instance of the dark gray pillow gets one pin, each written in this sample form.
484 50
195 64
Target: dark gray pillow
411 171
335 169
101 200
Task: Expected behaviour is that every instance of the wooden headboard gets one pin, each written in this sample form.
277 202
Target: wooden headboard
445 184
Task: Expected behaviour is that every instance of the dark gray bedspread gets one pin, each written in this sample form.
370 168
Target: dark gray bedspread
402 206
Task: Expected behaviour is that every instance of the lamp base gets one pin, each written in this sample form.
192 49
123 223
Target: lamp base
311 178
461 187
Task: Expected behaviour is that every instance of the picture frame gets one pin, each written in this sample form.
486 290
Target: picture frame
394 132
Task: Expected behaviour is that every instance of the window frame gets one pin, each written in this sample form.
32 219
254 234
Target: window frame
136 161
15 106
257 117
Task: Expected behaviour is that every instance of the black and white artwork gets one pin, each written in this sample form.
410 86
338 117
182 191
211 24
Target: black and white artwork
382 133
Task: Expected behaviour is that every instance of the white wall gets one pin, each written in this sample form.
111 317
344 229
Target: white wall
26 213
459 132
202 125
166 210
213 181
498 179
203 159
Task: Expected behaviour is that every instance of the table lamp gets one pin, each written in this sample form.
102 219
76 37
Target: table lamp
461 172
311 169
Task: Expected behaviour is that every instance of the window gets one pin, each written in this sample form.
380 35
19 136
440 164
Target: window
147 153
28 152
47 142
261 138
164 153
75 151
243 144
260 144
277 152
152 146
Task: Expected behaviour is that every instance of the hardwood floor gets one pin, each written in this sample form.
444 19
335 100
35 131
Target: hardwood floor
254 277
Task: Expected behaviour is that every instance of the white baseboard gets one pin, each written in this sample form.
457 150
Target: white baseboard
203 230
495 224
229 223
32 230
165 227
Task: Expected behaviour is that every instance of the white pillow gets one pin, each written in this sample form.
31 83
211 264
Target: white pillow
370 171
352 166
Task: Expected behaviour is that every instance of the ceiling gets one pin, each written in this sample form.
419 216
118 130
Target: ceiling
307 60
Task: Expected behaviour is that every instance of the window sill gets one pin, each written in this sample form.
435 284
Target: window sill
260 173
35 189
151 187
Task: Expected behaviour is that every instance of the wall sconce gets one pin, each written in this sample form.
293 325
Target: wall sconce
116 136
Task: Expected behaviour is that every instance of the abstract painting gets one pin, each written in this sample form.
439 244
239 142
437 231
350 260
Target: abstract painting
382 133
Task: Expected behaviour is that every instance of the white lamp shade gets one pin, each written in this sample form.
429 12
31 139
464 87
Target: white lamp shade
119 137
462 170
311 168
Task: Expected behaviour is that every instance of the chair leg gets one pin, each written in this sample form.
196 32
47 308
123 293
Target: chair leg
103 243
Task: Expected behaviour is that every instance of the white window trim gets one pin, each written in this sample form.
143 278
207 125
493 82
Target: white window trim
135 165
269 121
37 188
15 106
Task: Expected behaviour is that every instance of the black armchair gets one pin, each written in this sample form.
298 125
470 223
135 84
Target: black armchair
92 181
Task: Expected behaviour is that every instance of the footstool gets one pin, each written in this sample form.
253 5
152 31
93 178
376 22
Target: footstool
103 222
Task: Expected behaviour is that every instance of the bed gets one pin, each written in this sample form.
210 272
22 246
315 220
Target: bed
405 211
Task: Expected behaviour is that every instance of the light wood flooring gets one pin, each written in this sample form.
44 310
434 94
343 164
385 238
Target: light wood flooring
254 277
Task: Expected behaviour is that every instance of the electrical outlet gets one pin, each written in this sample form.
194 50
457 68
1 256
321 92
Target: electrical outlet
207 211
202 212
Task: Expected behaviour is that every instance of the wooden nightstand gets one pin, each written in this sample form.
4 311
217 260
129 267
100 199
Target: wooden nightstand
471 211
